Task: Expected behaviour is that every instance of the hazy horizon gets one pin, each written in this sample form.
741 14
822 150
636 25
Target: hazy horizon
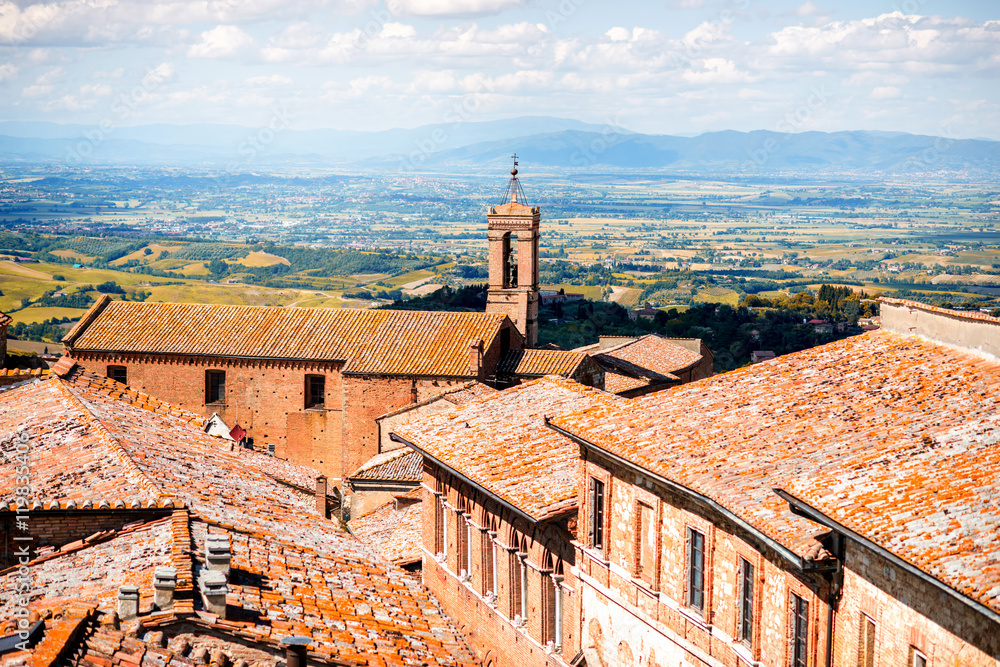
680 67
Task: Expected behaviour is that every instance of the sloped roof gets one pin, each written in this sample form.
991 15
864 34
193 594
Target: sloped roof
502 444
5 318
389 342
398 465
881 431
395 533
355 605
654 353
540 362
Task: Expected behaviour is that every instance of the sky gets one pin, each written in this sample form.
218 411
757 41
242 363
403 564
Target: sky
660 67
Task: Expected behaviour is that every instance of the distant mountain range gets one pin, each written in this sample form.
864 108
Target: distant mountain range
541 141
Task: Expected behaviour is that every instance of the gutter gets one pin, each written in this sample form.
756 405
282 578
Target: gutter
471 482
794 559
803 509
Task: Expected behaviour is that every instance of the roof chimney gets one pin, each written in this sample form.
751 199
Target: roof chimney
321 496
217 553
213 592
476 357
164 583
128 602
295 650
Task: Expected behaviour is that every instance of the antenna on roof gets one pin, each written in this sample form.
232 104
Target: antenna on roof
513 191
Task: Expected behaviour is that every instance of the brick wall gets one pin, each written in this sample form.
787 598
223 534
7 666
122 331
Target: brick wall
57 528
268 399
909 613
486 620
632 616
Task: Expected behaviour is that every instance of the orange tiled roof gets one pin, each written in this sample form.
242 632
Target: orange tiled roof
654 353
399 465
306 576
5 319
878 430
501 443
540 362
395 533
385 342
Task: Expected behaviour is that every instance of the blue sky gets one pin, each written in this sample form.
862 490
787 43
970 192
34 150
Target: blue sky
670 67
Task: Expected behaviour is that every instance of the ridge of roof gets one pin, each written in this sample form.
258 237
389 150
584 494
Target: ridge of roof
371 342
132 470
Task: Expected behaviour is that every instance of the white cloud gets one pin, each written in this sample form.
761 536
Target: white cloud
269 80
223 41
8 72
390 30
808 9
451 7
885 93
717 70
95 90
618 34
685 4
36 91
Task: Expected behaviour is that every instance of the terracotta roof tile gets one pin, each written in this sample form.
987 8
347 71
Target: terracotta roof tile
371 341
540 362
502 444
655 353
883 432
399 465
306 575
395 533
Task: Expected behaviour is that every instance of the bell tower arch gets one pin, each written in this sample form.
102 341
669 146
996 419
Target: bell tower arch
513 229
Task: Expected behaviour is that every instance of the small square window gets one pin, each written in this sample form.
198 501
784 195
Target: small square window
215 386
118 374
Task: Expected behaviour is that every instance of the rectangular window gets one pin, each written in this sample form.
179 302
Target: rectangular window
646 547
800 631
696 569
516 590
118 374
745 632
438 526
917 659
215 386
489 564
866 645
315 391
596 513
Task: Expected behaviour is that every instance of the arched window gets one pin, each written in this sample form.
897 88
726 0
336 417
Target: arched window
552 601
463 536
519 581
490 584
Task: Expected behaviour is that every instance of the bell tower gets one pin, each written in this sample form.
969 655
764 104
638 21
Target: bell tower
513 252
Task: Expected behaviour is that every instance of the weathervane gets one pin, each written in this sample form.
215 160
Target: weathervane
513 172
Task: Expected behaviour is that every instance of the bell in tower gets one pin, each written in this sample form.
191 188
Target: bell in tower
513 254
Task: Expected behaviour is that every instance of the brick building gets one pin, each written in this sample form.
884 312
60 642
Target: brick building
153 543
500 517
835 506
308 382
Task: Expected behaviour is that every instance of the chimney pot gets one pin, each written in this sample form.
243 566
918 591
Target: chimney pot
295 650
164 583
213 592
217 553
128 602
321 496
